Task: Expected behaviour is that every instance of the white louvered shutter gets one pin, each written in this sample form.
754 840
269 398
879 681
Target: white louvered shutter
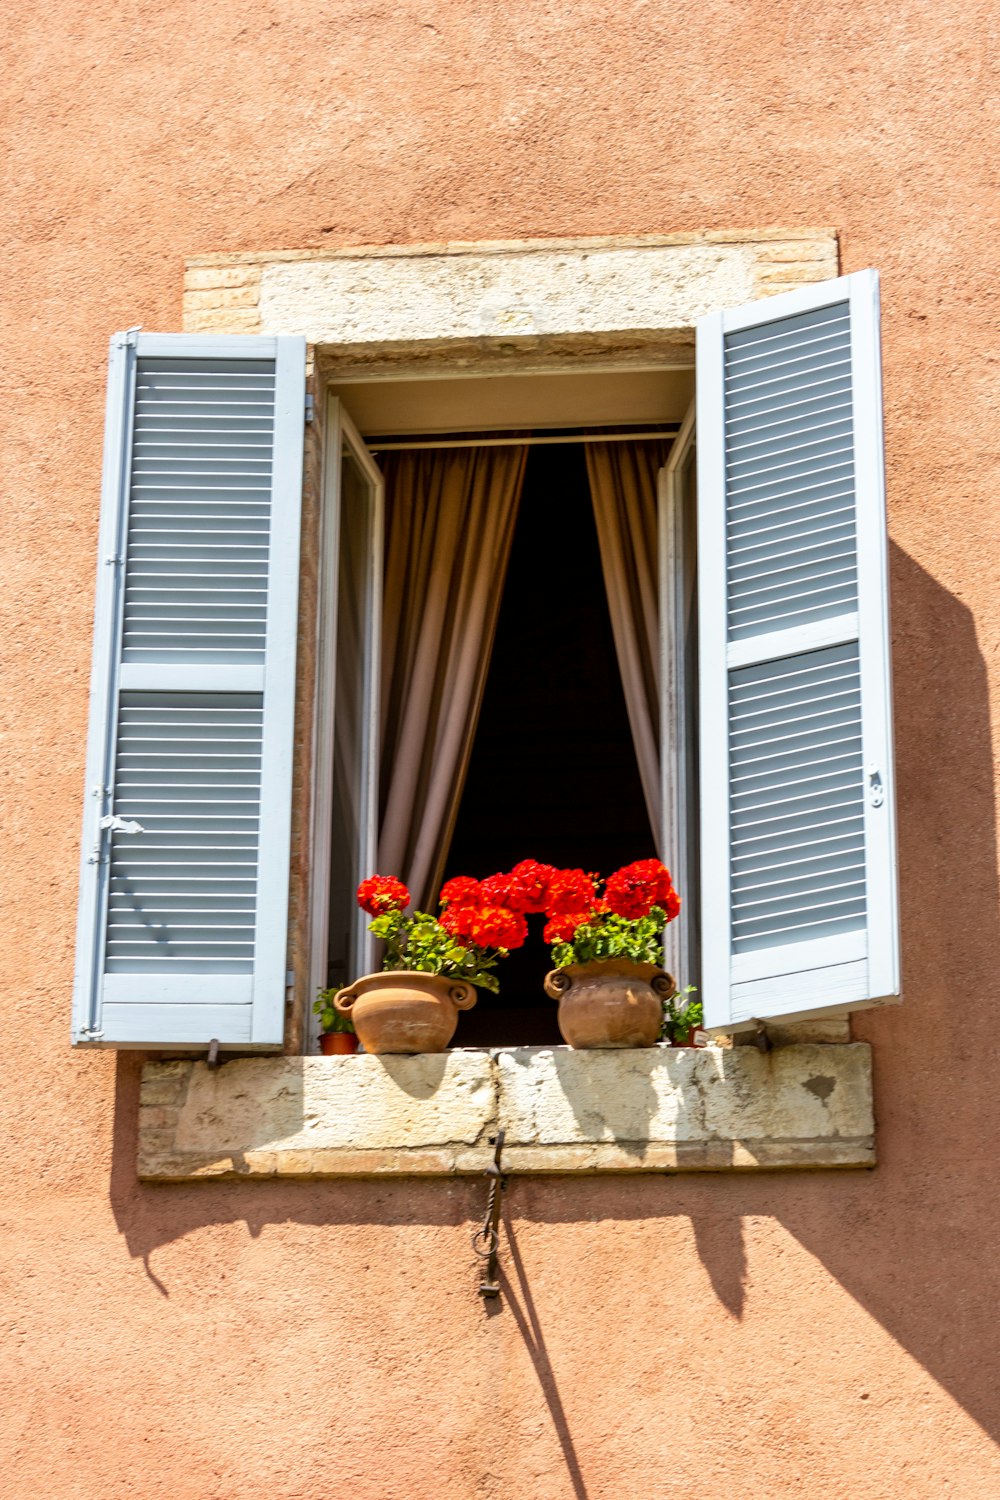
184 873
798 896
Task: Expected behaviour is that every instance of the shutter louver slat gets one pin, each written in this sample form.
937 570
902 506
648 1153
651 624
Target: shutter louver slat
182 924
797 860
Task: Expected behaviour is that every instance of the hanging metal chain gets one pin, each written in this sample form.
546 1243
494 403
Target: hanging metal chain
486 1239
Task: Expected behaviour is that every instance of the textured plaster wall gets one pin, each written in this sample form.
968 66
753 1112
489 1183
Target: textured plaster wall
827 1334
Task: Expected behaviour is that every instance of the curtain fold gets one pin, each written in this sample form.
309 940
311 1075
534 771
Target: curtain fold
623 489
450 516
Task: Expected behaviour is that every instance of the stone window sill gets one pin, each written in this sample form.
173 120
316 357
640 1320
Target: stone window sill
653 1110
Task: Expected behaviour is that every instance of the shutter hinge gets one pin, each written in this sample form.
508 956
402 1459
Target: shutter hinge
128 339
90 1034
113 562
310 410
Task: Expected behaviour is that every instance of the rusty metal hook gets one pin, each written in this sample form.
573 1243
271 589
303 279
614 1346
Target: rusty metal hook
486 1239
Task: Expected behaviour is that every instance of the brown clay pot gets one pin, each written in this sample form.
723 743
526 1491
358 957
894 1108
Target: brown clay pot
338 1043
403 1011
687 1038
610 1002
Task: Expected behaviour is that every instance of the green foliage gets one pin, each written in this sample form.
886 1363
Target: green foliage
681 1014
330 1018
419 942
609 936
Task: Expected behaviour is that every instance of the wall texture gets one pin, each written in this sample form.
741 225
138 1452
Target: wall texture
785 1335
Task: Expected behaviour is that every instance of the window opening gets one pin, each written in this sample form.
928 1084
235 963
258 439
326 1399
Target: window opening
553 772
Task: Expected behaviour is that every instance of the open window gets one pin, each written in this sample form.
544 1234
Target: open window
521 653
771 787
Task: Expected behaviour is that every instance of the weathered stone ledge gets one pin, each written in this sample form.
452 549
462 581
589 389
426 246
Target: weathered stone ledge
654 1110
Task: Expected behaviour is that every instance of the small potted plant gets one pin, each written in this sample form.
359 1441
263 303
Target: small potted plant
337 1034
682 1018
432 965
608 954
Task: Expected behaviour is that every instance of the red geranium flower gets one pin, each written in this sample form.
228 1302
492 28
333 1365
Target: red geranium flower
382 893
635 889
458 920
495 891
561 929
528 885
498 927
569 891
462 890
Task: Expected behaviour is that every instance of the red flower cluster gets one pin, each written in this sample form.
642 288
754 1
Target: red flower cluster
560 929
570 891
528 885
492 913
480 912
461 891
382 893
635 889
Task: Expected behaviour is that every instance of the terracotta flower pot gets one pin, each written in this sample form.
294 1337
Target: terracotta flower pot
610 1002
337 1043
403 1011
687 1038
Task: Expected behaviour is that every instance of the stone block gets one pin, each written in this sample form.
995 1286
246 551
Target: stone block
222 297
202 278
371 299
318 1116
222 320
663 1109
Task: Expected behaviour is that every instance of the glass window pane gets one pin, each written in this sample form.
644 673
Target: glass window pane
350 840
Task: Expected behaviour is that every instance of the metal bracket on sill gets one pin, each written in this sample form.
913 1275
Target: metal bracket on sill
761 1039
486 1239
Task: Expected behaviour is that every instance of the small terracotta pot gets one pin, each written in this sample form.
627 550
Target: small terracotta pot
404 1011
610 1002
337 1043
687 1038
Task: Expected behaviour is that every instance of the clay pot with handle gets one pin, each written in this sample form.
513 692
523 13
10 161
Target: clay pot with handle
402 1010
610 1002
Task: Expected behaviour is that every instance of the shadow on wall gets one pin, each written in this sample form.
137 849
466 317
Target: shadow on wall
911 1242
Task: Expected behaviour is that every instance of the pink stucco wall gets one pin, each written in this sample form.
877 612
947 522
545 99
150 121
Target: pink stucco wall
710 1336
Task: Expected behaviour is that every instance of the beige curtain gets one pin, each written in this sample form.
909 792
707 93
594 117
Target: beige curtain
450 517
623 488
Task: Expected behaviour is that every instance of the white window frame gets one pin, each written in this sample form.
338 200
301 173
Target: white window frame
340 432
677 775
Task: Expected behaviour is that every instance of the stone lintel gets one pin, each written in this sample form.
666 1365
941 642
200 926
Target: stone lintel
446 296
652 1110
